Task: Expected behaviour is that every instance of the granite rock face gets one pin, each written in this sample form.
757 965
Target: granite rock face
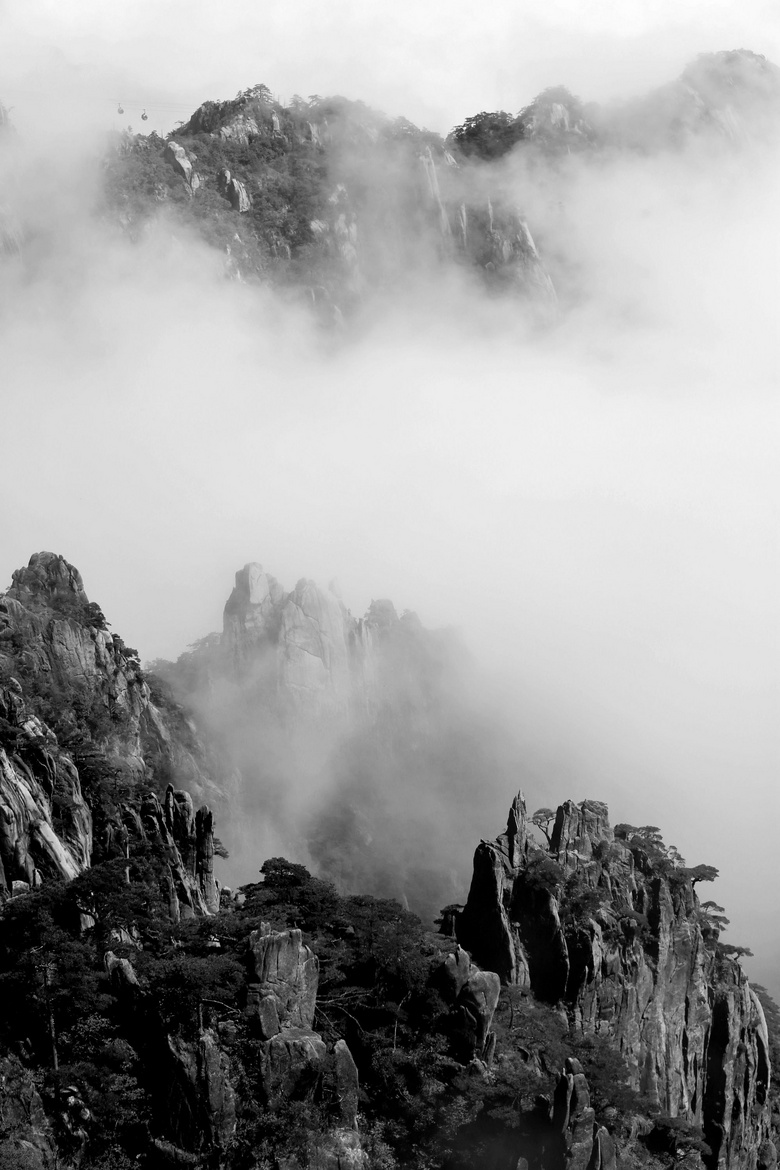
234 191
585 1144
392 198
283 991
280 1006
615 933
302 649
281 999
45 823
177 157
188 839
475 994
56 643
80 734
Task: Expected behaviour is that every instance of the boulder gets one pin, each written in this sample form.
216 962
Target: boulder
234 191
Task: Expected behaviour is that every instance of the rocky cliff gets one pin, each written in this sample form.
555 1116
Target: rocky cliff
88 760
580 1012
330 196
611 927
343 203
303 650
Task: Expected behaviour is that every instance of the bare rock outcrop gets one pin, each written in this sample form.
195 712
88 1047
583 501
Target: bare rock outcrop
474 993
188 839
176 156
281 1003
586 1145
56 643
347 1084
45 823
281 999
615 932
233 190
484 926
283 990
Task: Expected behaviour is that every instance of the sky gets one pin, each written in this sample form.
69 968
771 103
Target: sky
594 508
435 63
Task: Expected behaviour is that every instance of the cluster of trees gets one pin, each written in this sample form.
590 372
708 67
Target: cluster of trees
580 900
555 121
487 135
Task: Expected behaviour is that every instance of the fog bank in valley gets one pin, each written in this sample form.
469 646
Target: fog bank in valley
592 503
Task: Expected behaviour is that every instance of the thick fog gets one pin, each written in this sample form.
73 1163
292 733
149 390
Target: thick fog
592 503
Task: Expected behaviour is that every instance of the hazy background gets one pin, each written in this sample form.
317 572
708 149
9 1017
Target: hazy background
595 508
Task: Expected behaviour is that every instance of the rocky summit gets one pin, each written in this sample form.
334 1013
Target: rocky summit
89 759
337 205
611 926
577 1008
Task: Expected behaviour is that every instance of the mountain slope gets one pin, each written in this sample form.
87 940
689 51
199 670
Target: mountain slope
332 201
579 1011
89 760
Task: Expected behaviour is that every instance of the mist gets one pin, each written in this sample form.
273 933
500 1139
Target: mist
590 503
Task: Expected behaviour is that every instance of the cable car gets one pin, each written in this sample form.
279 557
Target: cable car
144 116
119 109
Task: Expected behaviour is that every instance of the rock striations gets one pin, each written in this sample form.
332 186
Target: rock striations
611 927
88 759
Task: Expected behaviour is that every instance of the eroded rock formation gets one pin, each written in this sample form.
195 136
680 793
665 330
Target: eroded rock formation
45 823
81 737
234 191
475 994
302 650
615 933
177 157
292 1059
283 992
57 644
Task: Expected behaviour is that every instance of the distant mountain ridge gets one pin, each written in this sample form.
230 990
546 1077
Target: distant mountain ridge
355 738
331 200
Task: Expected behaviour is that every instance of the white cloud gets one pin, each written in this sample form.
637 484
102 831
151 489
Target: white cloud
596 508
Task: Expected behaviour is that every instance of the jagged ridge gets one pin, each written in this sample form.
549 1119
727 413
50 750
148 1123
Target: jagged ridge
616 932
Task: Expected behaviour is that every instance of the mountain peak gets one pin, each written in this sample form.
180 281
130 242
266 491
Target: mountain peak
47 579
